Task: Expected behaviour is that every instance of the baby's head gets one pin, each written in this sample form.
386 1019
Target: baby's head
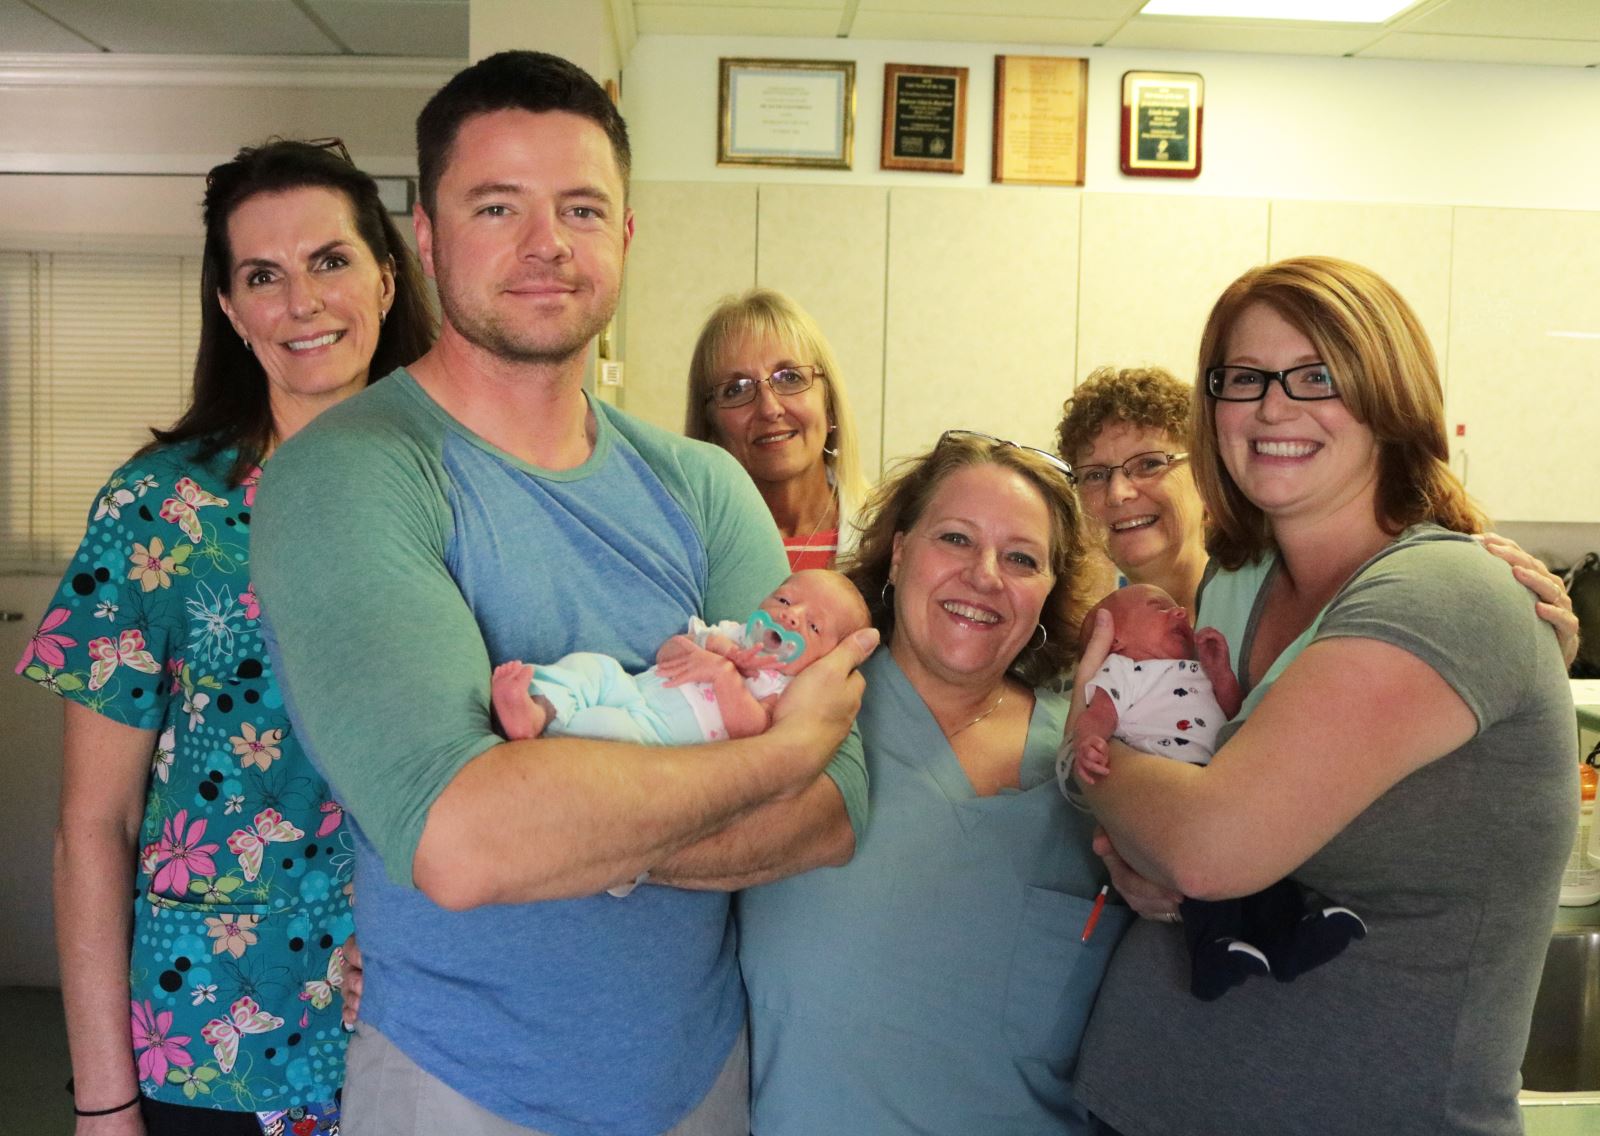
1150 624
818 605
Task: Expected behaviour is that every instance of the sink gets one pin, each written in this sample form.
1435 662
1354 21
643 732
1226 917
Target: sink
1564 1044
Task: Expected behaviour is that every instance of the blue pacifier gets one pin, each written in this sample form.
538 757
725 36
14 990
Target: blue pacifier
763 633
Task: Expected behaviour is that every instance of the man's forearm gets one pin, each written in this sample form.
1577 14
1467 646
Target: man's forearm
564 817
778 839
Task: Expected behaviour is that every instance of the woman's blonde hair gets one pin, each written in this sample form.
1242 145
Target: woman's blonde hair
1386 374
898 503
763 313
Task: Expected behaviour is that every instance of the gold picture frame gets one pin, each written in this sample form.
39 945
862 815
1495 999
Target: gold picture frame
786 112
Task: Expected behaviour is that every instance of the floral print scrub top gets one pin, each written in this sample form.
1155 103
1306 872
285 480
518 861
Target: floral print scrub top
244 862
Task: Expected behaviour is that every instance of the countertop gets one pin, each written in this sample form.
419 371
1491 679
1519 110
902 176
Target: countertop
1586 698
1570 1114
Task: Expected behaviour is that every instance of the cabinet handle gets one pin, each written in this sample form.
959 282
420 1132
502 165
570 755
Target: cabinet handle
10 617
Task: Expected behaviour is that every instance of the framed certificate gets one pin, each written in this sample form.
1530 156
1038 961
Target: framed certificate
1161 119
1039 107
924 118
786 112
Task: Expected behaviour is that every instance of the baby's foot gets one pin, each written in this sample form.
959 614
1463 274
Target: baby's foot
519 715
1222 964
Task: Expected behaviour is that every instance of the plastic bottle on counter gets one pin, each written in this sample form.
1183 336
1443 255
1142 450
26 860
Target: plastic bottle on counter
1593 761
1580 883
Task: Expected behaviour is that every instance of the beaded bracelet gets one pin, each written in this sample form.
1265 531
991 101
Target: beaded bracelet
76 1111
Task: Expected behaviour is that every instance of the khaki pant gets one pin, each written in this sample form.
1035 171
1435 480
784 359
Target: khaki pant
387 1094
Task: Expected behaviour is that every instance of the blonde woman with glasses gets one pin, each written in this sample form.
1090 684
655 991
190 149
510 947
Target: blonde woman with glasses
765 386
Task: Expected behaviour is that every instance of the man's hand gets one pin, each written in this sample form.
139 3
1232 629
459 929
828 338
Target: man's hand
821 703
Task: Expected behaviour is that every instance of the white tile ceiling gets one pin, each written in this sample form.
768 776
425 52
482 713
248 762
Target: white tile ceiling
1560 33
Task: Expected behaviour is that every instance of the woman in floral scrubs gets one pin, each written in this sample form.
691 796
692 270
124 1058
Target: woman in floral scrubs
184 787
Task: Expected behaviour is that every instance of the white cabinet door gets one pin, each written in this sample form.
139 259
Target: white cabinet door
826 247
1408 245
1152 268
693 244
1525 361
983 289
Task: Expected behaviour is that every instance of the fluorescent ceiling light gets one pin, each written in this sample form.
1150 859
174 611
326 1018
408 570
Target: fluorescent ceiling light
1320 11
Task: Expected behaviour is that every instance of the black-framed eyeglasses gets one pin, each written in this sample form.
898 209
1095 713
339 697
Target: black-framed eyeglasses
1096 479
1309 382
1045 454
785 381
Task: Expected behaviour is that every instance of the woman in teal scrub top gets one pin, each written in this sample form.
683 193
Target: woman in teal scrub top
939 982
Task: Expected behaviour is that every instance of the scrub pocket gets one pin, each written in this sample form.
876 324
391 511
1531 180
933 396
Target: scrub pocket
1055 974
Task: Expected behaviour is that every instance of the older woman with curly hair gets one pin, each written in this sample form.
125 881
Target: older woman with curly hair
1123 433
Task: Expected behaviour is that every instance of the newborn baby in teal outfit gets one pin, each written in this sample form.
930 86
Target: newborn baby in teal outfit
707 685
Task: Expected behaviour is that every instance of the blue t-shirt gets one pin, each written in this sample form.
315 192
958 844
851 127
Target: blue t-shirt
399 557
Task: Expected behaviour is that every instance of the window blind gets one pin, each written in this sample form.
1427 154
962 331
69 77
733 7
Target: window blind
94 350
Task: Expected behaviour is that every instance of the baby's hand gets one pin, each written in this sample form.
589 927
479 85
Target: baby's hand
1091 759
1211 648
695 664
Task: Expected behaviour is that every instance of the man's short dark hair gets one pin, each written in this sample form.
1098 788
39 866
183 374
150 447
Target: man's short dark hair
512 80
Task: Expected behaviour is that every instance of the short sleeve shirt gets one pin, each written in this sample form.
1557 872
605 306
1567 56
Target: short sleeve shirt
244 862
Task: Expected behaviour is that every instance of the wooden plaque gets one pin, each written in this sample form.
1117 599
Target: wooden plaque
1162 113
1039 109
924 118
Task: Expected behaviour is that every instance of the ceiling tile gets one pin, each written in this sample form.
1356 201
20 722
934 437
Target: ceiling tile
1547 19
979 28
725 20
24 30
1484 49
398 27
834 6
1241 35
194 27
1050 9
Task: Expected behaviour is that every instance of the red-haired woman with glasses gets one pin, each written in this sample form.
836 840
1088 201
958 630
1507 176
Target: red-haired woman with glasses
1405 748
200 874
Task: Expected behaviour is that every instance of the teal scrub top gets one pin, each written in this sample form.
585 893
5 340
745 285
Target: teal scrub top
938 983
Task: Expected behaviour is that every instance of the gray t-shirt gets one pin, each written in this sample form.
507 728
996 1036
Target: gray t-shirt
1421 1027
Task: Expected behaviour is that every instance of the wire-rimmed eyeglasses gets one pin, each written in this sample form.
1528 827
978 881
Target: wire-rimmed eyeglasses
1064 467
783 382
1096 479
1309 382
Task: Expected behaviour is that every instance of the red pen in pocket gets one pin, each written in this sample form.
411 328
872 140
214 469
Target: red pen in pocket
1094 914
